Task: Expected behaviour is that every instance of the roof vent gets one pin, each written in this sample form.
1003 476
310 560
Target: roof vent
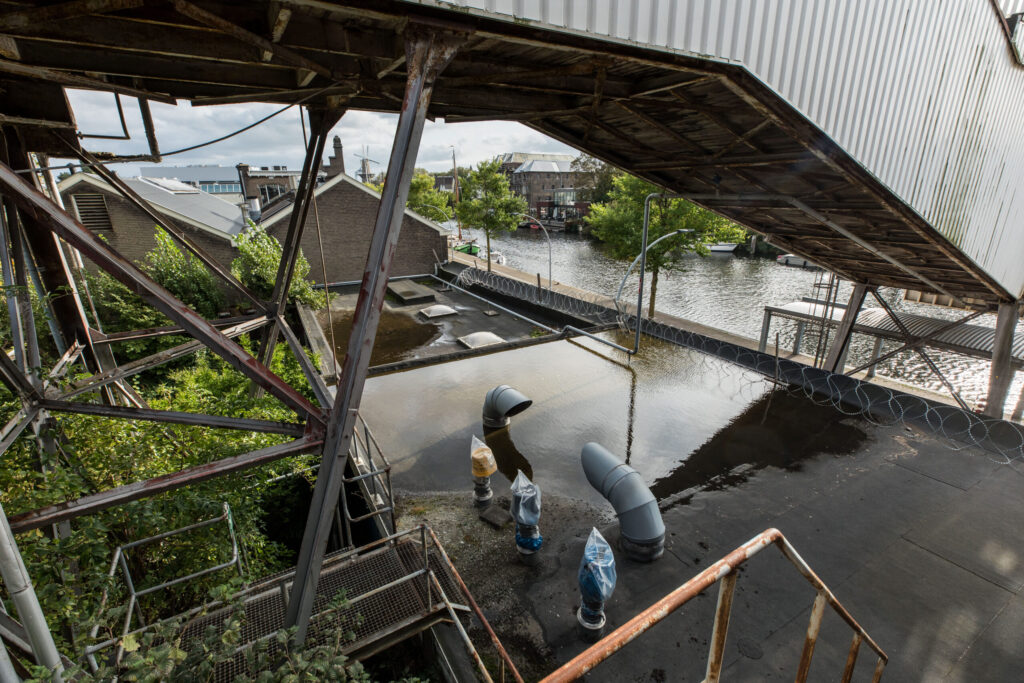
92 211
437 311
478 340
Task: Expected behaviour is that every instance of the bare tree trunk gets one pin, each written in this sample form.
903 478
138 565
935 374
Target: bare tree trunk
488 251
654 293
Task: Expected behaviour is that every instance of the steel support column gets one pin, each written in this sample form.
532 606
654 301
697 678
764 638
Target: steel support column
427 53
836 353
1001 374
320 121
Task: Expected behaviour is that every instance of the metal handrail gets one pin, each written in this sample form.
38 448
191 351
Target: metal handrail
134 606
384 489
725 571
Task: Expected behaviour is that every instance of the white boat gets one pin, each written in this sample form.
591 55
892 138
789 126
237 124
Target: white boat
723 247
795 261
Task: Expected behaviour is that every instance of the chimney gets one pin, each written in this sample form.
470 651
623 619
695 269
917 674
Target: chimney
336 162
249 192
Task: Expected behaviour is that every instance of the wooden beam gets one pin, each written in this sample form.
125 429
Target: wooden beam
282 53
74 81
654 123
278 17
26 18
732 162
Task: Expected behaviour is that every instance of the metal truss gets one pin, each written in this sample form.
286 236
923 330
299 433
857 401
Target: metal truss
34 229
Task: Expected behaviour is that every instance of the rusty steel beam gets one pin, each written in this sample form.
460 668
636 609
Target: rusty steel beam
151 332
660 610
46 213
427 54
117 374
175 417
87 505
313 376
171 227
321 127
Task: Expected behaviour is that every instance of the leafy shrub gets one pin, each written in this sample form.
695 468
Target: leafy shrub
259 256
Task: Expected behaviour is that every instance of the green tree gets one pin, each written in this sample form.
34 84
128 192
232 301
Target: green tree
424 198
619 223
259 256
595 179
185 276
488 204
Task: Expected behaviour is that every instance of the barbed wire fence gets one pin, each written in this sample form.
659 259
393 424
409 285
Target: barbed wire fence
1003 441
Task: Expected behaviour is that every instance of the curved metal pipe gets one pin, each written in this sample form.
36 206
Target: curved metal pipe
501 403
642 531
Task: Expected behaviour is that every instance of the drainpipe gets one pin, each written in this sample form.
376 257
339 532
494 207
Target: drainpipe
19 587
642 530
501 403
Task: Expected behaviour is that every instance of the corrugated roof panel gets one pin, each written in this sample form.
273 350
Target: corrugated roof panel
926 96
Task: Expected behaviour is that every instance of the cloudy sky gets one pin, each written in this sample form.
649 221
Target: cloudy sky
279 140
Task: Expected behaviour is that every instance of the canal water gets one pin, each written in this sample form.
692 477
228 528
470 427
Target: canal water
683 419
730 292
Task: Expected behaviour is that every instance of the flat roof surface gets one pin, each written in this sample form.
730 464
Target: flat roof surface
920 542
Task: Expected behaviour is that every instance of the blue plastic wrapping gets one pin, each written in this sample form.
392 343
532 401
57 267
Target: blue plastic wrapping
597 571
525 501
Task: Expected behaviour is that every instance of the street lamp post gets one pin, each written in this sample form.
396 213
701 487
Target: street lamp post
537 221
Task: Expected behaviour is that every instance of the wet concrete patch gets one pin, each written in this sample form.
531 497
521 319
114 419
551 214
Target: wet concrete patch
399 334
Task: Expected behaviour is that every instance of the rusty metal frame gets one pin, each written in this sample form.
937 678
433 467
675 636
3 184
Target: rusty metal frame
427 53
722 570
33 203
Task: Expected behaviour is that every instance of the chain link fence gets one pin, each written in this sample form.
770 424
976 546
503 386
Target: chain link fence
1003 441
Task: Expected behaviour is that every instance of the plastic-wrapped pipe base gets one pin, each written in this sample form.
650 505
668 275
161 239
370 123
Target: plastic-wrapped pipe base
528 543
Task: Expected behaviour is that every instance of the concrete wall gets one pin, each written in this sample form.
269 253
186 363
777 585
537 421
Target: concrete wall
133 232
347 215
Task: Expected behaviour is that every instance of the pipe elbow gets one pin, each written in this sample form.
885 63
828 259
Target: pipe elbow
501 403
642 530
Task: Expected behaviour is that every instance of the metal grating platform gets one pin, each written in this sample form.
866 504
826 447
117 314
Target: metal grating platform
383 608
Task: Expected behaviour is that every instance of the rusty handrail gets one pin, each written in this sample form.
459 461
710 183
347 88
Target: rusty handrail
725 567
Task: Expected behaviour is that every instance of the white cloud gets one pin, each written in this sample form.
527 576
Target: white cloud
279 140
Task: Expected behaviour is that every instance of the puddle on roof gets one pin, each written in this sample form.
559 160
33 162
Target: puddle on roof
398 335
681 418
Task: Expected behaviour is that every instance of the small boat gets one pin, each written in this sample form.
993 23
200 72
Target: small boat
531 225
468 247
795 261
723 247
496 256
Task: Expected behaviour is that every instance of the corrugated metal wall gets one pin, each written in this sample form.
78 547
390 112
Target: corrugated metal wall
925 95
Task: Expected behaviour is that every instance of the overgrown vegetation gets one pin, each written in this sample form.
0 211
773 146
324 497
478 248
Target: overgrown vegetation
93 454
259 256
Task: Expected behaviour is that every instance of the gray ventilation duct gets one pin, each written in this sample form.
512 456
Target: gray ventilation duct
501 403
642 530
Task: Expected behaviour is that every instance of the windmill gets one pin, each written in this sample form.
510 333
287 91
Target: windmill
364 173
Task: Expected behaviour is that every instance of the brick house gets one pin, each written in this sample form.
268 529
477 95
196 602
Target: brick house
538 181
209 220
347 211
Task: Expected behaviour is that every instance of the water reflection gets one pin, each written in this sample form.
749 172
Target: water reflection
730 293
678 417
506 455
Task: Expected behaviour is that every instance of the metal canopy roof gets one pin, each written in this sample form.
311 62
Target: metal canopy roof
693 125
